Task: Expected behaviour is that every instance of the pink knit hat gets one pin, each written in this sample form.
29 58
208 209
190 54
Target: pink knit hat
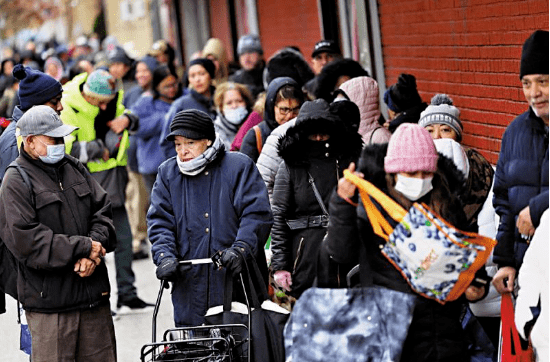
410 149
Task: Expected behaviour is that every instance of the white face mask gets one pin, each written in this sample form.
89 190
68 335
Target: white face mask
235 116
413 188
54 153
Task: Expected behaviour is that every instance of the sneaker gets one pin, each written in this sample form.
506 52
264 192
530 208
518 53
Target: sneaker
139 255
134 305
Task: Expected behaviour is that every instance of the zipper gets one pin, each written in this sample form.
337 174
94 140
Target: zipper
300 247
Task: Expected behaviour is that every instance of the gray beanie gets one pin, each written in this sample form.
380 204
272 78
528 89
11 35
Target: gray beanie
249 43
442 111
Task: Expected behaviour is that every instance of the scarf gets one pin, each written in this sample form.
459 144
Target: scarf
199 163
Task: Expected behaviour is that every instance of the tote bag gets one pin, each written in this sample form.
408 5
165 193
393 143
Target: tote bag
510 335
437 260
348 325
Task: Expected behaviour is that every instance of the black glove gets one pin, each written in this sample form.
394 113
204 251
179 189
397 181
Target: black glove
232 260
168 269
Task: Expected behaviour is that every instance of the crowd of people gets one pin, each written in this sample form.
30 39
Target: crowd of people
148 159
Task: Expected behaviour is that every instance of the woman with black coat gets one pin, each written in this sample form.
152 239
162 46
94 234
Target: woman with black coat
314 151
408 170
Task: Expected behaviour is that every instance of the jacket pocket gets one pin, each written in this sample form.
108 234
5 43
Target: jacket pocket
46 198
82 190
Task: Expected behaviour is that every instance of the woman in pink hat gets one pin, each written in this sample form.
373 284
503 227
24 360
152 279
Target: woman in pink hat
409 170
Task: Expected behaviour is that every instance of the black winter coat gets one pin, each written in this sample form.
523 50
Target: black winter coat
49 234
409 116
296 251
435 333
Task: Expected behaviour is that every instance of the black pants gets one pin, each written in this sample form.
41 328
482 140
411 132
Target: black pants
125 277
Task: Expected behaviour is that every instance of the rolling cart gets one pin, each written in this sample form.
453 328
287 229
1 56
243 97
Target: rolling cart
208 343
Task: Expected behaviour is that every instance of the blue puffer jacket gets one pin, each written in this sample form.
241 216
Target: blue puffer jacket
189 100
521 179
151 113
193 217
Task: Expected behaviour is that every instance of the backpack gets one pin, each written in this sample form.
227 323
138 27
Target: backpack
8 263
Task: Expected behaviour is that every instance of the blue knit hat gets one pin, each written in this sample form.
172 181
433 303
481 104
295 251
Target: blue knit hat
150 62
100 84
35 87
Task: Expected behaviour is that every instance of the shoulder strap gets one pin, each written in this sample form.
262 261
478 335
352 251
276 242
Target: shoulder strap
25 176
317 194
372 134
259 142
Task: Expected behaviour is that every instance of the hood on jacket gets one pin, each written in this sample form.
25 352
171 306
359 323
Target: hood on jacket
316 117
288 62
272 89
363 91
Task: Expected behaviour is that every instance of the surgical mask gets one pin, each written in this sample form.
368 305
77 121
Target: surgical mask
235 116
413 188
54 153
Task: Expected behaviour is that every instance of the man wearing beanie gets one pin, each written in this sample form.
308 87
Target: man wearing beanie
521 178
252 64
205 201
58 224
94 104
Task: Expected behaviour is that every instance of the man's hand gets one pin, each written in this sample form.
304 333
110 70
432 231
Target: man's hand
504 279
85 267
119 124
106 155
524 223
97 252
346 189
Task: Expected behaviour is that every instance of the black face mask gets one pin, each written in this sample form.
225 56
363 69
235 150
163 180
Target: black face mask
318 149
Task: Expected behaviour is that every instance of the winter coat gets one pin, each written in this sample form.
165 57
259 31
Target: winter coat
252 79
363 91
8 143
191 100
193 217
50 230
269 160
295 249
93 135
521 179
151 113
131 96
411 115
253 119
435 333
249 145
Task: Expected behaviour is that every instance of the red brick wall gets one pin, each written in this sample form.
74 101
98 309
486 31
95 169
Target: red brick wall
467 49
288 22
219 25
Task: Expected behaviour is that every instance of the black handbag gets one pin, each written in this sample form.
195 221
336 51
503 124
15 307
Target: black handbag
265 319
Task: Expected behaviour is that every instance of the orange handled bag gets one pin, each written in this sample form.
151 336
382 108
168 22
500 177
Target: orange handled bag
510 335
437 260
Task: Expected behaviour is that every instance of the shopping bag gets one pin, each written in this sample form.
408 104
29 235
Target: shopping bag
511 349
437 260
265 319
25 340
357 324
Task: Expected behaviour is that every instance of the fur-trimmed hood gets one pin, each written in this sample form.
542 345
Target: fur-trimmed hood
315 117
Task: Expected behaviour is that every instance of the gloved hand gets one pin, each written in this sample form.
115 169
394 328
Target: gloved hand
168 269
232 260
283 279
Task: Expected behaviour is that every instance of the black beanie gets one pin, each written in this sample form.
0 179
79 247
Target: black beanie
193 124
206 64
534 55
404 94
35 87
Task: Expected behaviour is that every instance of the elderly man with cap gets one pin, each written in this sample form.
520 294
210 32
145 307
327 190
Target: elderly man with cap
205 200
521 178
252 64
57 222
325 51
94 104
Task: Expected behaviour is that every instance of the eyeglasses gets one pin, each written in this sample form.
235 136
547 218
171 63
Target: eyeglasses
285 110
